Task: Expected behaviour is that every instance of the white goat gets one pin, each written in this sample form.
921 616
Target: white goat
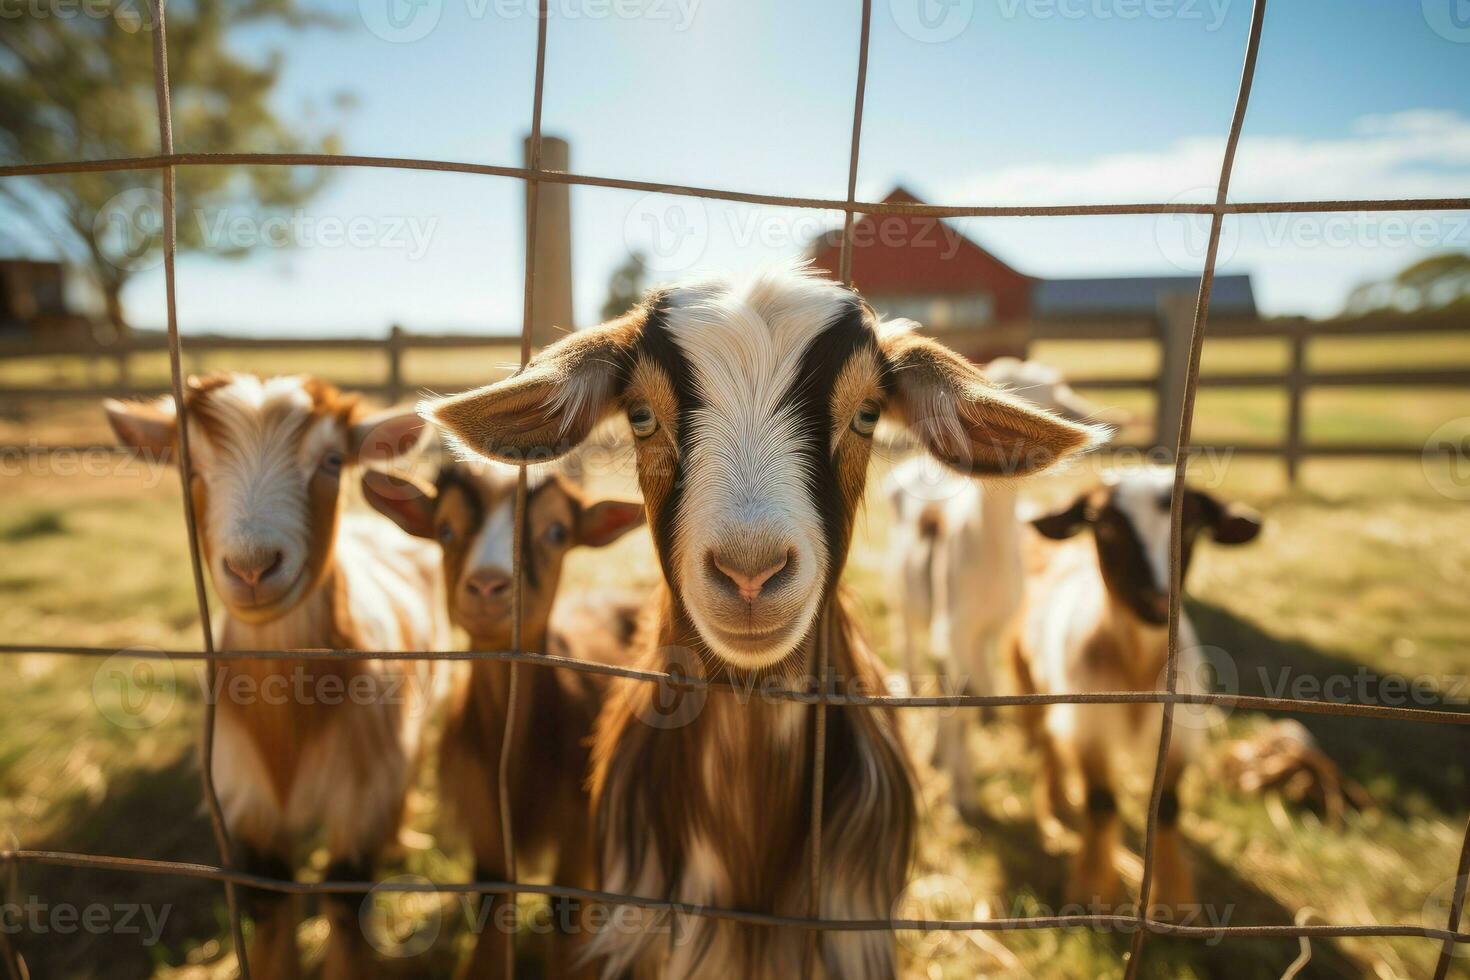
957 547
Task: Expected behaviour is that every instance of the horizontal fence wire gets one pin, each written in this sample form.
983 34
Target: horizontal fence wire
738 197
1113 922
1447 715
166 161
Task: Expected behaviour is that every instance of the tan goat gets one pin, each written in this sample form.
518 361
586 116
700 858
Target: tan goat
753 405
470 511
303 746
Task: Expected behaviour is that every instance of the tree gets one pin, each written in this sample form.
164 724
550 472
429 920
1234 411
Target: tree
1436 283
76 83
625 286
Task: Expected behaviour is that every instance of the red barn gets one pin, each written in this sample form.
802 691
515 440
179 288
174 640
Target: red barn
922 268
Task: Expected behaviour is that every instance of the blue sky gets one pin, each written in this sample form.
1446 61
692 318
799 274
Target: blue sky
969 101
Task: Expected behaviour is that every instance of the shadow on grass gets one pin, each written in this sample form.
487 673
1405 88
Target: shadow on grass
1410 756
141 922
45 524
1025 861
89 923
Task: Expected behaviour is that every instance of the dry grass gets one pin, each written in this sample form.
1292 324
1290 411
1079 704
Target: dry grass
1360 574
1333 586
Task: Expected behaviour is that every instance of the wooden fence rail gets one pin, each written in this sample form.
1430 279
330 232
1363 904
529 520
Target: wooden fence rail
1167 329
394 346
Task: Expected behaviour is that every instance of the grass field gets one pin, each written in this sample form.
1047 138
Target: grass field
1360 575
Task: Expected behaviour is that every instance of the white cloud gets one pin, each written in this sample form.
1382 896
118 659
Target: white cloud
1416 153
1301 263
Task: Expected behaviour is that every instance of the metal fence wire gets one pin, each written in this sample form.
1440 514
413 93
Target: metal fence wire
818 693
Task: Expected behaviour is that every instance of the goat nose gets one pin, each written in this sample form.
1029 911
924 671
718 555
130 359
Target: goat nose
488 584
254 567
749 574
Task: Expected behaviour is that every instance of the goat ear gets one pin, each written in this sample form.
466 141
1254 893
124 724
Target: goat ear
405 501
148 427
1066 523
604 522
385 435
547 409
967 422
1228 523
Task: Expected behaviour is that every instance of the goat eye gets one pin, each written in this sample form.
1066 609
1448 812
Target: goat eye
865 420
446 533
332 461
641 418
556 533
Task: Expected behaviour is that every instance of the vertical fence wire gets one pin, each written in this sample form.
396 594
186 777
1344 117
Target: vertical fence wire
822 669
1457 907
1181 466
15 968
845 272
812 955
176 379
167 163
533 188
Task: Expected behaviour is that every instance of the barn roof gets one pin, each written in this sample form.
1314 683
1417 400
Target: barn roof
908 255
1135 295
904 255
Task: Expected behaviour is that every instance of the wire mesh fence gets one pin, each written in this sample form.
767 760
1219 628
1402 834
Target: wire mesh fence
817 691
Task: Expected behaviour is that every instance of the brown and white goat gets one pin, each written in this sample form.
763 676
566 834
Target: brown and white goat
753 406
1096 619
956 547
470 511
303 746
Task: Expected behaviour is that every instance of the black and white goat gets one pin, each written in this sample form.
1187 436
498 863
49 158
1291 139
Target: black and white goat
753 406
1096 619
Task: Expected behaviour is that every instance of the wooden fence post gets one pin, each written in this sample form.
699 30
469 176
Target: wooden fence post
1176 324
551 291
395 364
1296 373
124 374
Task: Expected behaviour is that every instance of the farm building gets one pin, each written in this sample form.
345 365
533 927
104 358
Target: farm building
39 301
923 268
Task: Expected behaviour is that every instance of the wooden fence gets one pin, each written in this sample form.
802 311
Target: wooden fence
1169 329
121 355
